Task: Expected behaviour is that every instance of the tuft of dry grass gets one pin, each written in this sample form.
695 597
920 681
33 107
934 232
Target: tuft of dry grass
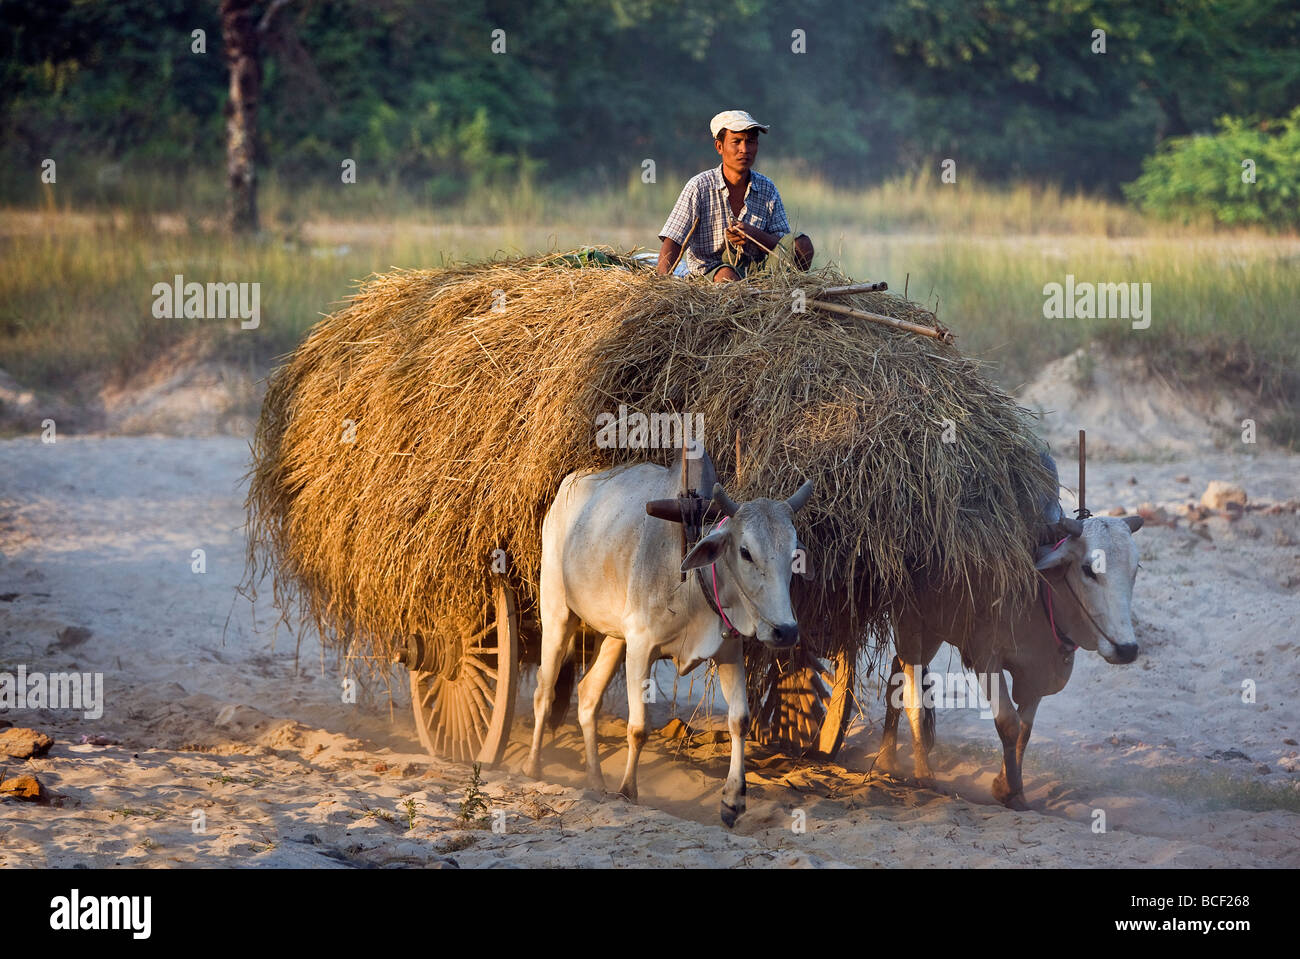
474 390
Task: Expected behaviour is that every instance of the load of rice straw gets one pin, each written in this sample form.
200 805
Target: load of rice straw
430 421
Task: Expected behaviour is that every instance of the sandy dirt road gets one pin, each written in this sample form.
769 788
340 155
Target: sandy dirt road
220 744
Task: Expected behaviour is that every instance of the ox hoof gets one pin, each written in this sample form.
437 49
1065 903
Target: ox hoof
731 813
628 793
1015 801
596 784
533 769
887 761
1003 794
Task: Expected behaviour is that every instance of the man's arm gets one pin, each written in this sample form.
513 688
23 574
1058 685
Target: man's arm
678 228
669 253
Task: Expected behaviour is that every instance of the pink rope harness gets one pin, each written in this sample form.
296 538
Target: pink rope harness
717 600
1047 605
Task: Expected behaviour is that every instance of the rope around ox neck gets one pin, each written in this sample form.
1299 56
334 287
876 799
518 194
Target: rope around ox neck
717 600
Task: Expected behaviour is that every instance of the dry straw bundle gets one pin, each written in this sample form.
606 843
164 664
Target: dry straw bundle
472 391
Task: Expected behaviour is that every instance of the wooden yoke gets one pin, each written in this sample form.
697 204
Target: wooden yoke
690 507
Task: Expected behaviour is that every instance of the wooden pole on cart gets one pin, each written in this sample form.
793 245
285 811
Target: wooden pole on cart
943 334
685 491
1082 511
878 287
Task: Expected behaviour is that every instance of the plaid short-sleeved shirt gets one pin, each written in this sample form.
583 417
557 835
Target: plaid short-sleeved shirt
705 197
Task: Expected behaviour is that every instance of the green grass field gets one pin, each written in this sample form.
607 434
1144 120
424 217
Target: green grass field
75 293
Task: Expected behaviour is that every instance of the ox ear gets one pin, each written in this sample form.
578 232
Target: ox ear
1134 523
1048 558
707 551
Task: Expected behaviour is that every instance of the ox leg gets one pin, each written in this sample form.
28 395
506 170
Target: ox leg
913 697
638 671
1007 787
927 715
887 758
731 676
590 692
558 627
1027 712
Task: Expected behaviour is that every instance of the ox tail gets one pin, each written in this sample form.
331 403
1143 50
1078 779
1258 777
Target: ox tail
563 693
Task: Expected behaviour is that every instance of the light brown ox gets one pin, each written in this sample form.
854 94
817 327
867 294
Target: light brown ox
1088 578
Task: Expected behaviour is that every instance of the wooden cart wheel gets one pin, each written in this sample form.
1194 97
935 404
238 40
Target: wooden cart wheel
465 713
806 709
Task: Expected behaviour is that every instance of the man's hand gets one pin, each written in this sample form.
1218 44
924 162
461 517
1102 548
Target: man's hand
751 239
736 236
803 251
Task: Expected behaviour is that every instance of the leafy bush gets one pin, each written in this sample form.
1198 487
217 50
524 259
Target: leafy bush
1203 176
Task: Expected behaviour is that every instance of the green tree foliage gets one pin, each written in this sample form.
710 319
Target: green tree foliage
115 79
1210 175
587 89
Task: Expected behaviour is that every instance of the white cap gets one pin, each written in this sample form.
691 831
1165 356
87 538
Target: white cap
734 120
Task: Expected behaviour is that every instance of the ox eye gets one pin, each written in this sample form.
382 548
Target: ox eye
1087 571
744 554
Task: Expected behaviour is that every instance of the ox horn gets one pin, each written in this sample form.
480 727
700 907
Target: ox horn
1071 526
800 497
725 502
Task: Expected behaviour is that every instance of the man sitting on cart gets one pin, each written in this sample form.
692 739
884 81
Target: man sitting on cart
730 219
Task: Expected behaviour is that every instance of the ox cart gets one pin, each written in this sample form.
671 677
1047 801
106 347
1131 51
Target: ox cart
426 425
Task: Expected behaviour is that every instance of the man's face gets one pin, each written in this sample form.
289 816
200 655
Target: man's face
737 150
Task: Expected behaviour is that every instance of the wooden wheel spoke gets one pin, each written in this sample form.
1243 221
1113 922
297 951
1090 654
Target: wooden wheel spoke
452 721
483 711
437 697
476 691
474 640
473 731
458 731
446 727
468 723
480 686
431 693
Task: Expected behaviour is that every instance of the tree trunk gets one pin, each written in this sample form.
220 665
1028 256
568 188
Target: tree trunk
240 37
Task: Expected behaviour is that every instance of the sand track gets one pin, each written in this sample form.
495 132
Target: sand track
212 717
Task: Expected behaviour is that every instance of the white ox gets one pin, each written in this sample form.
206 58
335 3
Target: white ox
609 565
1084 600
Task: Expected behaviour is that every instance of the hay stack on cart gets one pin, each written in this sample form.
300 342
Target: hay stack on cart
408 449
